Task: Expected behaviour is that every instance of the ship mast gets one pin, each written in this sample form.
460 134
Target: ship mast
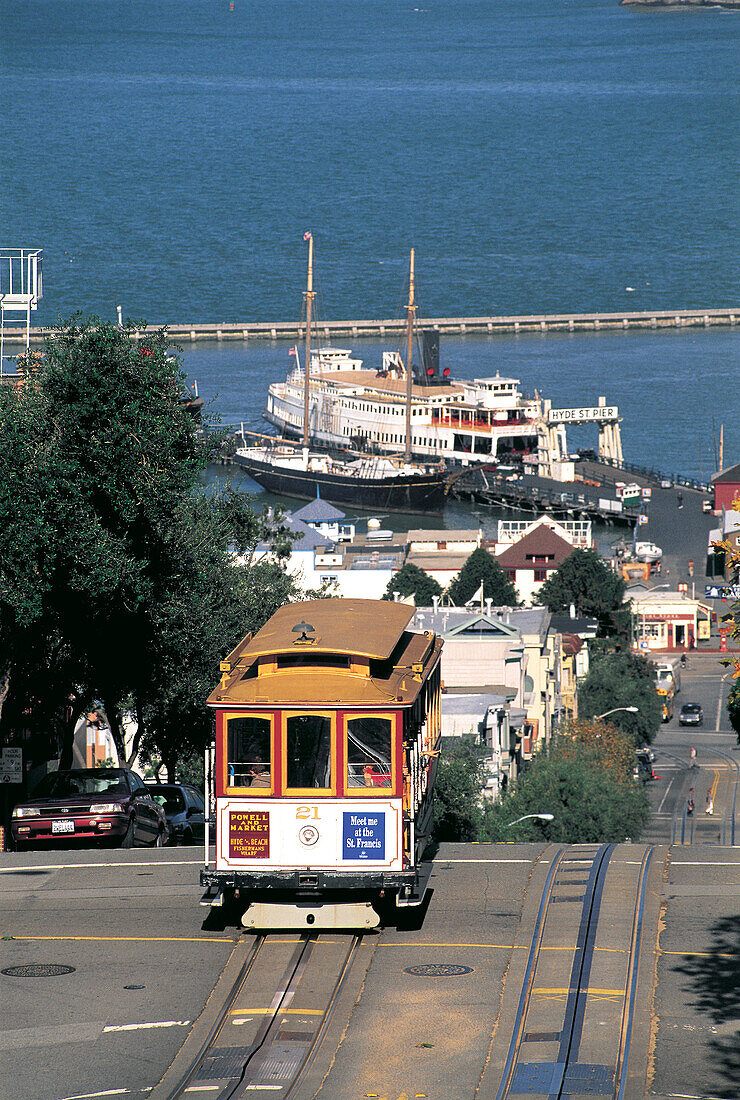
309 295
410 313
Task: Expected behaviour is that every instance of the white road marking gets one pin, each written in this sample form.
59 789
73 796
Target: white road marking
142 1027
665 795
88 866
699 863
441 859
92 1095
204 1088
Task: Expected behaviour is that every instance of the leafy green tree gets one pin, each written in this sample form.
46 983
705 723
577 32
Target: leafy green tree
585 581
410 580
116 577
733 709
457 792
622 680
482 568
591 800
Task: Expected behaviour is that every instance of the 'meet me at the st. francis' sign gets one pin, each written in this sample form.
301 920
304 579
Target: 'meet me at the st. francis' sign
583 416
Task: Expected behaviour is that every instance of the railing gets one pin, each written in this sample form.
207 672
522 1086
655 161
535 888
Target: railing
653 474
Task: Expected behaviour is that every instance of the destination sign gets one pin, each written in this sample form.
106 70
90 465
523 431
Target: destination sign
583 416
249 834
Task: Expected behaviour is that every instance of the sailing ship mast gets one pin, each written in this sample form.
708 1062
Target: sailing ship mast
410 314
309 295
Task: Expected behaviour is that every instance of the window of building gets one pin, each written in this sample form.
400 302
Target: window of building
369 751
248 752
540 574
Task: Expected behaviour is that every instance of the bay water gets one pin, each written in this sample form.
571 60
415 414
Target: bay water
540 157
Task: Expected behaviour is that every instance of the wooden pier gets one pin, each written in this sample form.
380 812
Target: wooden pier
456 326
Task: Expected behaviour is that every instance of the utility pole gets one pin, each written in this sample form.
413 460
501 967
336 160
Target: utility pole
410 314
309 296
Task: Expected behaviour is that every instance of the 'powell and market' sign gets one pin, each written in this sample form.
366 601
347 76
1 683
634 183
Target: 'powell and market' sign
583 416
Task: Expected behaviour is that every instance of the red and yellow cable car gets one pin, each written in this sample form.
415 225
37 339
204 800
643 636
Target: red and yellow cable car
327 737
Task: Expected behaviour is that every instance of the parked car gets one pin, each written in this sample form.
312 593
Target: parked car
691 715
644 766
104 805
184 807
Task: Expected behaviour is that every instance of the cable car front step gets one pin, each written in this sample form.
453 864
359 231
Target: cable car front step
333 916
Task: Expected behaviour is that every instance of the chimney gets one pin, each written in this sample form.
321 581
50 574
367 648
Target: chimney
489 604
435 601
572 611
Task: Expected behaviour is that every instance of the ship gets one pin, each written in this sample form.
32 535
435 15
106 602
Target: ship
420 411
373 482
342 474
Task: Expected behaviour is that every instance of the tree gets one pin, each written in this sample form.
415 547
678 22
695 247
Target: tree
410 580
585 581
116 577
622 680
457 792
482 568
591 796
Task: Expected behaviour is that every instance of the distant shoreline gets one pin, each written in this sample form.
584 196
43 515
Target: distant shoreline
681 3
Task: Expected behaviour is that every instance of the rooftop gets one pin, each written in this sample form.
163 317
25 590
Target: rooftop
330 653
318 511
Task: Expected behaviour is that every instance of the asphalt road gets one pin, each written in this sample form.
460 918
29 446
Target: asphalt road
142 965
129 927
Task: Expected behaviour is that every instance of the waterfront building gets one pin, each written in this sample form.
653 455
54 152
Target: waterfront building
667 620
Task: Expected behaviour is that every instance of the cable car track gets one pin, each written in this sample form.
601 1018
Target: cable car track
275 1056
564 1068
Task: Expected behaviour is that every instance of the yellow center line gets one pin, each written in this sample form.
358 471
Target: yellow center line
128 939
277 1012
499 946
589 991
701 954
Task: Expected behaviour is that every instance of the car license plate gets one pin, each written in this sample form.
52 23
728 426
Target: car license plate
62 826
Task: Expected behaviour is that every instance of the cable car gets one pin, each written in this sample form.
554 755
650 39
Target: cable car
327 738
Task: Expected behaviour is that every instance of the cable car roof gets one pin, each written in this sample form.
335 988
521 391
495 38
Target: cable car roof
355 653
362 628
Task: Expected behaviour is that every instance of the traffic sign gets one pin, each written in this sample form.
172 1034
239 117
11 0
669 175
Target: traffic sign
11 766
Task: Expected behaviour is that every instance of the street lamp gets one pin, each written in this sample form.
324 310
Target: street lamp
542 817
629 710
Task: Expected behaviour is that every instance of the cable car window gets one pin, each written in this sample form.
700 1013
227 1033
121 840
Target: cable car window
369 752
308 751
248 752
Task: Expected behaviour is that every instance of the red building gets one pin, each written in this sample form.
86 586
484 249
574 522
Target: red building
726 487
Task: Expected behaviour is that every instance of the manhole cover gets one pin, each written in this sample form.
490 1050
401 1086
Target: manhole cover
38 970
438 970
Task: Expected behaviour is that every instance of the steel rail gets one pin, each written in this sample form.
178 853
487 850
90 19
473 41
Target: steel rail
326 1018
218 1023
574 1015
580 970
633 969
269 1032
532 957
283 996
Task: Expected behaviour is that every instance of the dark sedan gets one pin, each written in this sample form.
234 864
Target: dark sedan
111 805
185 807
691 715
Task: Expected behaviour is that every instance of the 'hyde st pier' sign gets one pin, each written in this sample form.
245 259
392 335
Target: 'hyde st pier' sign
583 416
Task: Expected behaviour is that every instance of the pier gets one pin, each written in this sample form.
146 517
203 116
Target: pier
457 326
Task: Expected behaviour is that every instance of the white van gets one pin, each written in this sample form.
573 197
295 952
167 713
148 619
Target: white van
669 672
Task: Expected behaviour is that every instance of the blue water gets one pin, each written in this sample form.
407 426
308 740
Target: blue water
673 388
540 157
